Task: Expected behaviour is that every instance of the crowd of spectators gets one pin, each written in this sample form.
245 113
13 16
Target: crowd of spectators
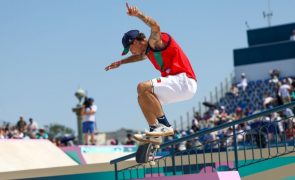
278 126
22 130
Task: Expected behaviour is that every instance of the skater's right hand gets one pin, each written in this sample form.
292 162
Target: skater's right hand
113 65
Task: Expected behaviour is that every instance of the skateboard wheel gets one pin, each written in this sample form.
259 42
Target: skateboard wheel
152 163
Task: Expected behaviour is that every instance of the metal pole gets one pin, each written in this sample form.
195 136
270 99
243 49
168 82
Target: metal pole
221 89
211 97
235 148
216 94
232 80
205 100
77 110
188 124
181 121
173 159
116 171
80 134
80 94
226 85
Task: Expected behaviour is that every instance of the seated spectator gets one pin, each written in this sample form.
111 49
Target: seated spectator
16 134
248 111
215 116
8 131
284 92
2 133
222 112
290 132
268 101
207 115
191 142
195 122
244 82
243 104
288 113
114 142
41 134
234 90
274 77
33 136
240 133
229 134
275 117
182 145
289 80
203 124
239 113
293 91
129 140
219 121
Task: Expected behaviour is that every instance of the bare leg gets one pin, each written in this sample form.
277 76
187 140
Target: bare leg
149 103
92 138
86 138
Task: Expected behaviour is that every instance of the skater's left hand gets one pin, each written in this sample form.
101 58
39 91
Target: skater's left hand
113 65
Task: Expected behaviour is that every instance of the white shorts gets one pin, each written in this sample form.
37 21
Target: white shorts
174 88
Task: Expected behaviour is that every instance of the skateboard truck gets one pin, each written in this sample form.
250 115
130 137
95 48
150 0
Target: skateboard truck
153 153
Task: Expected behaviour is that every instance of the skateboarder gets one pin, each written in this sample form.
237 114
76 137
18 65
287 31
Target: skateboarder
177 81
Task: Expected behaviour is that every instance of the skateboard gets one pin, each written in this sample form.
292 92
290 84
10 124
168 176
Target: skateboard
145 151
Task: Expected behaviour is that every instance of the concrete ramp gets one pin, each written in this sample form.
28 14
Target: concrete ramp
16 155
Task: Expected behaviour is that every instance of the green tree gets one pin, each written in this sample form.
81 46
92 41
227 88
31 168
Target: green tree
58 130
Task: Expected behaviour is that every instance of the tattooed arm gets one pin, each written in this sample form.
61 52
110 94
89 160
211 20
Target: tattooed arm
155 40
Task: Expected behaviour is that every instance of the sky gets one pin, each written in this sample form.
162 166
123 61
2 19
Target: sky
50 48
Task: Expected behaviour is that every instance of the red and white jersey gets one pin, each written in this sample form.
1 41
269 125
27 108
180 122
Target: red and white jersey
170 60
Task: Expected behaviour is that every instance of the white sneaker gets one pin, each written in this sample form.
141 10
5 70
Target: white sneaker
145 139
161 130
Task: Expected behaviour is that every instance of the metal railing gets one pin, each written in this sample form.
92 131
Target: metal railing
238 148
